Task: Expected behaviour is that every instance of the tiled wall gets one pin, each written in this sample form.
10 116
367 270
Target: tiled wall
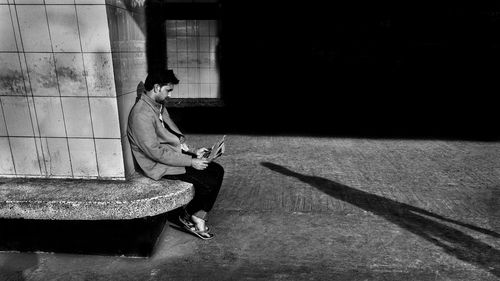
58 100
127 35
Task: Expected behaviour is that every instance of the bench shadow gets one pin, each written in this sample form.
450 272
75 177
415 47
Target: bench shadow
16 266
131 238
453 241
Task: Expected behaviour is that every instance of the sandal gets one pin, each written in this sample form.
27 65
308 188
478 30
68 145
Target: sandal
189 226
185 221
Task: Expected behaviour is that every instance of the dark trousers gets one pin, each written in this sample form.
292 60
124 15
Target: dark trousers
206 185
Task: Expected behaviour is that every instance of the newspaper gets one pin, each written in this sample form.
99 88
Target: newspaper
216 150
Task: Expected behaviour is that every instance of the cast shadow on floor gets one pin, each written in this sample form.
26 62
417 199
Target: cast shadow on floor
453 241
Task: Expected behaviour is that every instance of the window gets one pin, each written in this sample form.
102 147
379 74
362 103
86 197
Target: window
192 54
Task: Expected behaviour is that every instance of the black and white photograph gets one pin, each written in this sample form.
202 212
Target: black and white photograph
249 140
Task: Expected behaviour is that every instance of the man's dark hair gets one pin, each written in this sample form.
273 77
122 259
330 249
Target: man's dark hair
161 78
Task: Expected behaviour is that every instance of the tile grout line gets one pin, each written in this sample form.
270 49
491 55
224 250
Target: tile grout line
197 30
60 99
176 54
1 105
31 90
87 86
8 138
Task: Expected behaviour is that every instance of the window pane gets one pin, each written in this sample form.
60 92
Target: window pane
191 46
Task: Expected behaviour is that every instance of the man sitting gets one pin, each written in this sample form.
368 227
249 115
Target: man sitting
160 150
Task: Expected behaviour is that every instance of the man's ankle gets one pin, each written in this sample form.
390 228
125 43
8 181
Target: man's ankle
201 215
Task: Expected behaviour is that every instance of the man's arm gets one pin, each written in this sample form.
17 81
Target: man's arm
145 138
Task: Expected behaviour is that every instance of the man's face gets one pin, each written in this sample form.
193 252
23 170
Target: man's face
164 92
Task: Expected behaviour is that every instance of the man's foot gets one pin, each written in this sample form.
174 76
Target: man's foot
194 228
186 220
199 223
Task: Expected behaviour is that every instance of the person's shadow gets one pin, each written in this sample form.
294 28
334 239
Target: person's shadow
454 242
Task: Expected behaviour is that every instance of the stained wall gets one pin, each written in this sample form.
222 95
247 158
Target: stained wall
58 98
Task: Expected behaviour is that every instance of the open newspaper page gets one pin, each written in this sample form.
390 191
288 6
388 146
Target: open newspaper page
216 150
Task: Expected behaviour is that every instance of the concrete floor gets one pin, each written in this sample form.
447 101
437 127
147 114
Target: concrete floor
300 208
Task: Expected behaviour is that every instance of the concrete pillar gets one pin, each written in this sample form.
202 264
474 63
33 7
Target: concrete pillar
68 77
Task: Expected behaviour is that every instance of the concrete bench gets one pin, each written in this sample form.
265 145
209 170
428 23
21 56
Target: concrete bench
70 199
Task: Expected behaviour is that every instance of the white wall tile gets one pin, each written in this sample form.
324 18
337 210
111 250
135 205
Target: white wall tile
126 29
205 75
193 60
32 112
42 74
8 39
15 20
6 163
214 41
3 128
214 91
50 117
24 70
11 77
181 28
125 104
182 44
194 90
83 157
25 156
182 90
34 29
191 27
192 44
129 70
63 28
172 59
100 77
204 90
115 19
110 158
204 59
119 3
17 116
193 75
70 74
175 92
104 113
182 75
77 116
28 1
90 2
127 157
59 1
203 27
41 161
56 157
213 27
93 23
204 43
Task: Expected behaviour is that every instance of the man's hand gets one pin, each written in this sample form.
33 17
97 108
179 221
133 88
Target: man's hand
200 151
199 164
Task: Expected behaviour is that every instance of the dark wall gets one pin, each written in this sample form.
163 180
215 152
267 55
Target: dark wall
370 70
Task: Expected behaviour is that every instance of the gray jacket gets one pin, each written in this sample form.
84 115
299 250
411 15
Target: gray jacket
156 148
